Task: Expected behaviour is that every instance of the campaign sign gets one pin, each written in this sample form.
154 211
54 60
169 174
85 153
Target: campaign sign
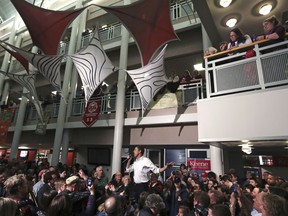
91 113
199 164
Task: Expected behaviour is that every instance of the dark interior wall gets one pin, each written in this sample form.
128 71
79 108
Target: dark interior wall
233 159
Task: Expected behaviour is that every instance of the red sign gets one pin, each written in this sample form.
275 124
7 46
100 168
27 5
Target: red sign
91 113
5 121
199 164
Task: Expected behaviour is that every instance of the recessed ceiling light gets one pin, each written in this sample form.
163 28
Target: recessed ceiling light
225 3
231 22
265 9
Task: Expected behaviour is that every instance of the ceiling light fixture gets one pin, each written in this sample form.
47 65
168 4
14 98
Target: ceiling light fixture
231 22
246 148
265 9
225 3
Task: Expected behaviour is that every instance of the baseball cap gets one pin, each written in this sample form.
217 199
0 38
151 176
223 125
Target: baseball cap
204 174
72 180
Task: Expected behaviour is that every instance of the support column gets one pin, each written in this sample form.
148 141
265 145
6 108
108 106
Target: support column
65 91
120 101
74 76
11 40
5 92
205 39
73 86
20 120
18 126
216 154
65 146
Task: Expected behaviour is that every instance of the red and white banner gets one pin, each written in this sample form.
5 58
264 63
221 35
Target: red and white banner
91 113
199 164
5 121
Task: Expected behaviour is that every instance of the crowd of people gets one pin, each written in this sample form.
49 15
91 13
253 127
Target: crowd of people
31 189
274 32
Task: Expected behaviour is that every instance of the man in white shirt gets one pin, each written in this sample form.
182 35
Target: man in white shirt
141 166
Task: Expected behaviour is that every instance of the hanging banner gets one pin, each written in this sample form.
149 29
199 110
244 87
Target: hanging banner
91 113
42 126
5 121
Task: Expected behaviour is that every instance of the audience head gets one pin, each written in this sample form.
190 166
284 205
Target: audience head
210 51
219 210
60 185
71 183
155 203
99 172
49 177
270 23
118 176
17 185
60 205
236 35
271 180
258 201
183 211
142 198
126 180
201 199
7 207
216 197
46 200
278 191
273 205
112 206
256 191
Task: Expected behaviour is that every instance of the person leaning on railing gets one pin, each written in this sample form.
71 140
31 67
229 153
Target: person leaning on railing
237 38
273 31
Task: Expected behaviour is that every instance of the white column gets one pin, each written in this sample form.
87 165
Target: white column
18 126
20 119
205 39
65 91
216 155
74 76
5 92
120 101
65 146
11 40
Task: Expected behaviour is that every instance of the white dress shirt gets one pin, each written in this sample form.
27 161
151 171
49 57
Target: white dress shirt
141 167
255 213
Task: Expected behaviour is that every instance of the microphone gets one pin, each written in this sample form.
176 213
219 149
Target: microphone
128 157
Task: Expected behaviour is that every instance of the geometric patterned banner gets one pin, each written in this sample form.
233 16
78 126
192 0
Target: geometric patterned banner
150 79
93 66
48 66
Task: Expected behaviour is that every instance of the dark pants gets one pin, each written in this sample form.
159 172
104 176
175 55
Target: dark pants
139 188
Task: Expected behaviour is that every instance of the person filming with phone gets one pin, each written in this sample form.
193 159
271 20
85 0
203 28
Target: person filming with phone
141 167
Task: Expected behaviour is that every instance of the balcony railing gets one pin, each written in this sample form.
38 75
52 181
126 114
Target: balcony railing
235 73
189 94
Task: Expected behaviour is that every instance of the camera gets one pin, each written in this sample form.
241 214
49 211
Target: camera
89 182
